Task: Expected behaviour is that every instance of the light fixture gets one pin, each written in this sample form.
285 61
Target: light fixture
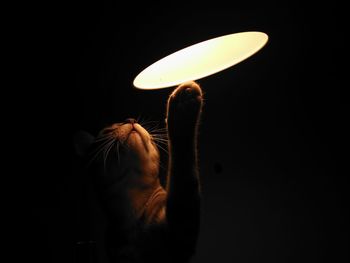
200 60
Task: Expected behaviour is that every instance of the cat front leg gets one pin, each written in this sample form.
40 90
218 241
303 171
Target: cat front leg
183 203
183 112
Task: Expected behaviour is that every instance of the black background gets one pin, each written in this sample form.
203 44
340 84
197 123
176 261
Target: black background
273 138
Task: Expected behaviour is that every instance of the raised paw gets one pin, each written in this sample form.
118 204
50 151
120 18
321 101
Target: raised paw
183 109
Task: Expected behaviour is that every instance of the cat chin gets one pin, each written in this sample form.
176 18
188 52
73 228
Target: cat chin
134 139
136 142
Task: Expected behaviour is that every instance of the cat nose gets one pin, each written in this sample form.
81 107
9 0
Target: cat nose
130 120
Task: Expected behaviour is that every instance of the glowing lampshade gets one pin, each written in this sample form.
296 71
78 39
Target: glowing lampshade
200 60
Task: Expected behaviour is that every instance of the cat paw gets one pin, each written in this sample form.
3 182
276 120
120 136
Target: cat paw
184 108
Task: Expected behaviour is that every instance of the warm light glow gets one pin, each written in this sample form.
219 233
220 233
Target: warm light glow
200 60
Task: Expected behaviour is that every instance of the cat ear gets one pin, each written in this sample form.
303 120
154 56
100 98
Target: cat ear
82 142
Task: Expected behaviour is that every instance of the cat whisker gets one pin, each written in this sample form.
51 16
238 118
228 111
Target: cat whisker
117 151
160 140
106 152
98 150
144 122
103 138
158 128
154 129
158 132
160 136
164 139
150 125
164 145
161 147
138 119
102 144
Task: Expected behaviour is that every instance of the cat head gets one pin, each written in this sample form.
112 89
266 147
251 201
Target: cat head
118 147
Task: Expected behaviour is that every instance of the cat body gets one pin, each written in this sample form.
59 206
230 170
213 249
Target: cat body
149 222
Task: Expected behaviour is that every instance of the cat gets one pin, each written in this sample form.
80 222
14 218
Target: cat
149 221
